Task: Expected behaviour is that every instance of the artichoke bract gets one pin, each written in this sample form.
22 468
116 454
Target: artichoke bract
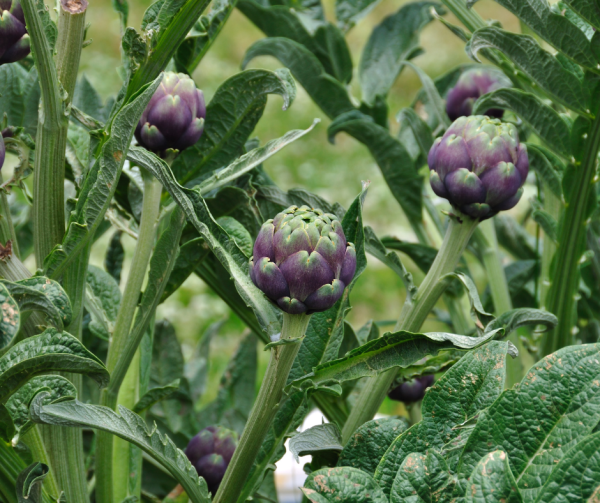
412 391
302 261
14 40
174 117
470 86
210 452
479 165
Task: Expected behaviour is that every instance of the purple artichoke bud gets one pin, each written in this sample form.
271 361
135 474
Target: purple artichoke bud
14 41
479 166
210 452
174 117
302 261
412 391
2 151
470 86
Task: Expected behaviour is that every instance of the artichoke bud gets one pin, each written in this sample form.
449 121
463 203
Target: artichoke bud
210 452
470 86
302 261
412 391
174 117
479 165
14 40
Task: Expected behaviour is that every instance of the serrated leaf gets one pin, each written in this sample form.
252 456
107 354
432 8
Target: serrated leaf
231 117
330 485
29 483
395 162
422 478
398 349
369 442
393 41
537 422
322 437
543 68
516 318
469 386
545 121
327 92
155 395
128 426
492 481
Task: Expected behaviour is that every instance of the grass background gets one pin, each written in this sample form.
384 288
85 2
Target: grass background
332 171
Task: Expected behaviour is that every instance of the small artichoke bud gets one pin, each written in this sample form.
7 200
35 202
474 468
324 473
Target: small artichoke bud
302 261
174 117
479 165
412 391
470 86
210 452
14 40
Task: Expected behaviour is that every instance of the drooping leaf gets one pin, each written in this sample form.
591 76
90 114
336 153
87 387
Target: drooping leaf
545 121
492 481
419 128
422 478
29 483
516 318
350 12
434 100
102 300
329 485
469 386
319 438
369 442
128 426
115 254
539 162
537 422
155 395
478 313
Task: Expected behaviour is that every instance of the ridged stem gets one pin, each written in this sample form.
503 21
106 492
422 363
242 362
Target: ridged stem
7 229
414 313
264 410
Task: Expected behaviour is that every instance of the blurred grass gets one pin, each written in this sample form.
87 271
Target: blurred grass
332 171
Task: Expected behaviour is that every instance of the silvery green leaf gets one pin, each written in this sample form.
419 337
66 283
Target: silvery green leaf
322 437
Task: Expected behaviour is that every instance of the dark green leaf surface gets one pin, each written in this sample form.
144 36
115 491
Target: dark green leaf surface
422 478
155 395
391 43
516 318
29 483
322 437
330 485
545 169
545 121
556 405
350 12
128 426
492 481
102 301
587 9
543 68
469 386
369 442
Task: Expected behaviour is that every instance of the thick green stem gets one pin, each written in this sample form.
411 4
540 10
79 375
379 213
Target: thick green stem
106 477
264 410
413 315
7 229
571 244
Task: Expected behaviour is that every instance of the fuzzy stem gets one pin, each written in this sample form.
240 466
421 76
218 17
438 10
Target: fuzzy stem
107 478
413 315
264 410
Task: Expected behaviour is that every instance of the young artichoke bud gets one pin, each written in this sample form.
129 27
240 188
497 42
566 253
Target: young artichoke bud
412 391
302 260
174 117
14 41
210 452
479 165
471 85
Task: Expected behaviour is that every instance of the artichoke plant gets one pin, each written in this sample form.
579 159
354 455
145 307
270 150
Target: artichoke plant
14 40
210 452
470 86
302 260
412 391
479 165
174 117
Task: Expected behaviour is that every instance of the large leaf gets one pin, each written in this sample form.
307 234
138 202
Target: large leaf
319 438
128 426
587 9
231 116
330 485
100 184
398 349
492 481
46 352
469 386
556 405
546 122
422 478
327 92
395 162
369 442
393 41
543 68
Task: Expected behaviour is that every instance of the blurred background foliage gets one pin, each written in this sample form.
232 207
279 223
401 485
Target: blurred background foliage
332 171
